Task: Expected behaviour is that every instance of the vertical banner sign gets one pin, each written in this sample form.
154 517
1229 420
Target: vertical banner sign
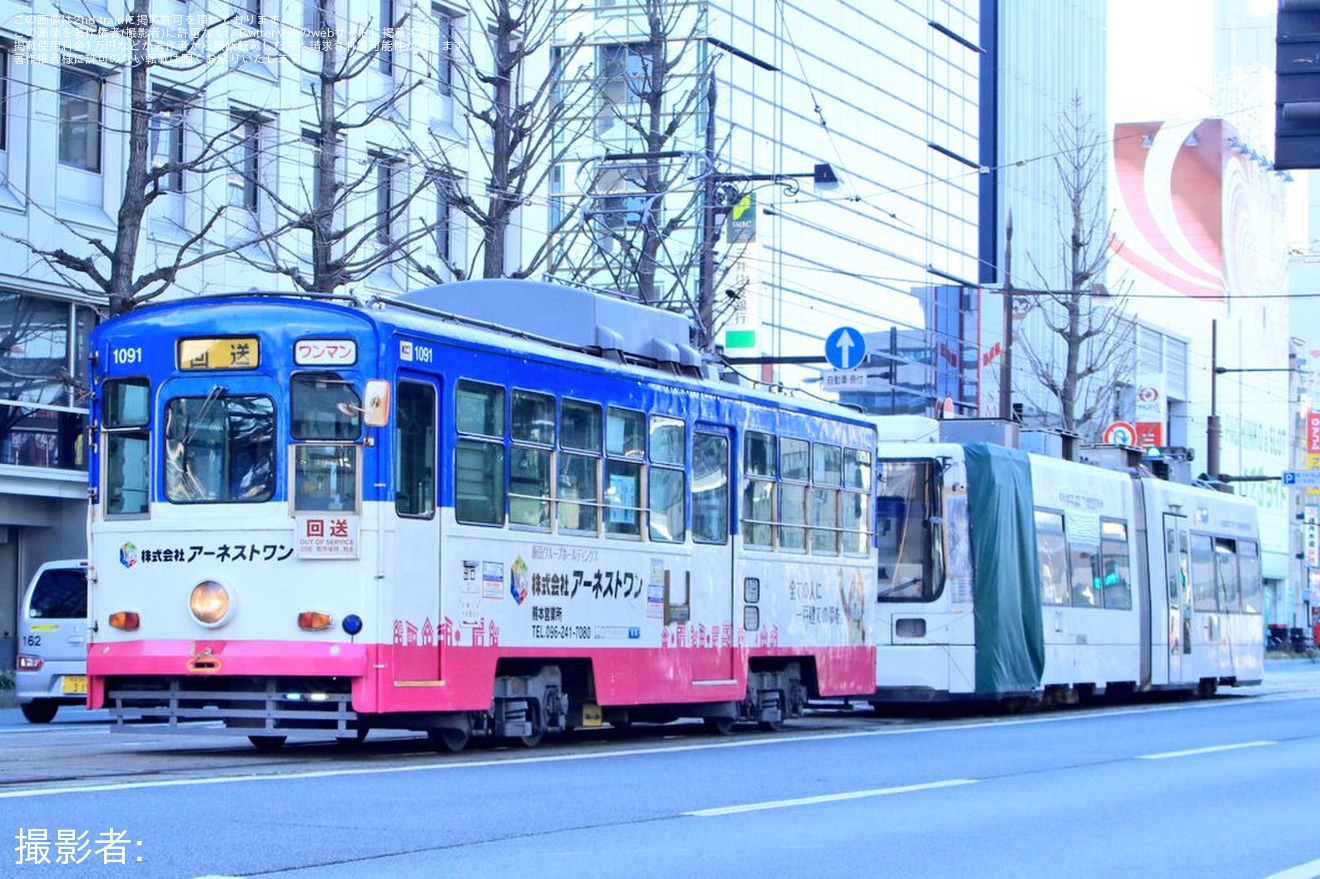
1313 433
1150 412
1311 535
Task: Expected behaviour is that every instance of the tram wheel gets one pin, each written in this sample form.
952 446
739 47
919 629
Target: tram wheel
450 739
531 741
718 726
771 725
268 744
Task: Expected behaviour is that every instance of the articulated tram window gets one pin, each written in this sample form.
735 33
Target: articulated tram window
479 460
760 466
666 488
1204 586
710 487
578 487
625 443
794 471
1052 552
1248 555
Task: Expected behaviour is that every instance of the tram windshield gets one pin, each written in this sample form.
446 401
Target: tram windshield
220 449
907 523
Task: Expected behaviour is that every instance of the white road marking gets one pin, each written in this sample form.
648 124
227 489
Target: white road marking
1308 870
828 798
1192 752
770 741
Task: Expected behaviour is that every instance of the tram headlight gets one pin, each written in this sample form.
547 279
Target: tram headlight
210 603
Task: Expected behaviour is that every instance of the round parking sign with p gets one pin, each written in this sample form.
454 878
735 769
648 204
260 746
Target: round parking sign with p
1120 433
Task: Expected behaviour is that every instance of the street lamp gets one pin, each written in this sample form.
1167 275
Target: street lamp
1212 429
720 193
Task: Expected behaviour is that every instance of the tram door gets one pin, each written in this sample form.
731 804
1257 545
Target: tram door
1177 570
414 584
712 556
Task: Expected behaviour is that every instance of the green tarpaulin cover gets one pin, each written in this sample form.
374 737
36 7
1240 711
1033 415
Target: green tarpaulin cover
1010 637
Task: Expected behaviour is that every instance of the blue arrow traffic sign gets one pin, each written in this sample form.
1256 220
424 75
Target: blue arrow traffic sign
845 348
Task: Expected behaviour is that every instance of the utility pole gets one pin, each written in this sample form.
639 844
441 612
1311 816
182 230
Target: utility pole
1212 420
1006 356
709 230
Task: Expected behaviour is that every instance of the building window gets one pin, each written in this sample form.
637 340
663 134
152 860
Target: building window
246 138
249 12
80 119
42 413
389 198
386 57
316 30
167 142
446 26
4 96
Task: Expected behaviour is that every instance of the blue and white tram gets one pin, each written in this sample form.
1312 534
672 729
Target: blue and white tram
311 516
1004 574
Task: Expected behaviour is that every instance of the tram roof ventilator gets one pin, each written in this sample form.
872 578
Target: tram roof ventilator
610 327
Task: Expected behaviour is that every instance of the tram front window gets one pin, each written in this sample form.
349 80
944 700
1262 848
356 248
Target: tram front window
219 449
325 476
906 520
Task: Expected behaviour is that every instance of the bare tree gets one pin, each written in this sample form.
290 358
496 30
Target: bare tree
110 270
526 120
354 214
1081 364
639 229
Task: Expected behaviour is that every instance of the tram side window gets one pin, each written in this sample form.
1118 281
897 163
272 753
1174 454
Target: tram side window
794 471
125 415
666 488
479 455
1204 587
219 449
826 474
905 517
1083 532
1248 555
1052 550
710 487
1226 571
625 447
415 443
579 466
855 501
1115 581
532 427
760 466
324 406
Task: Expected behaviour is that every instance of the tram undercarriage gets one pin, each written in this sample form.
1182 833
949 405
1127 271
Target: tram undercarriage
526 704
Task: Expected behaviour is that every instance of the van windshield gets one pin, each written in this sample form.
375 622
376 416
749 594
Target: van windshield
60 593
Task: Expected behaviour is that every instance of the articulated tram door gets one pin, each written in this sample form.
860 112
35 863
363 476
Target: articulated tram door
1177 569
712 555
414 556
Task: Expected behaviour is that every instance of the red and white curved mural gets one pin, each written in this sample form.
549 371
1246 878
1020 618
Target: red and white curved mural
1196 210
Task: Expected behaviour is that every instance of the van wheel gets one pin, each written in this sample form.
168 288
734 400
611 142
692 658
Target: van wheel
39 710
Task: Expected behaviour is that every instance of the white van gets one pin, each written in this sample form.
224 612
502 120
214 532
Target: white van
52 640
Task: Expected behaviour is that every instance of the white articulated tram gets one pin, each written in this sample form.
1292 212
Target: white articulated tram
1004 574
